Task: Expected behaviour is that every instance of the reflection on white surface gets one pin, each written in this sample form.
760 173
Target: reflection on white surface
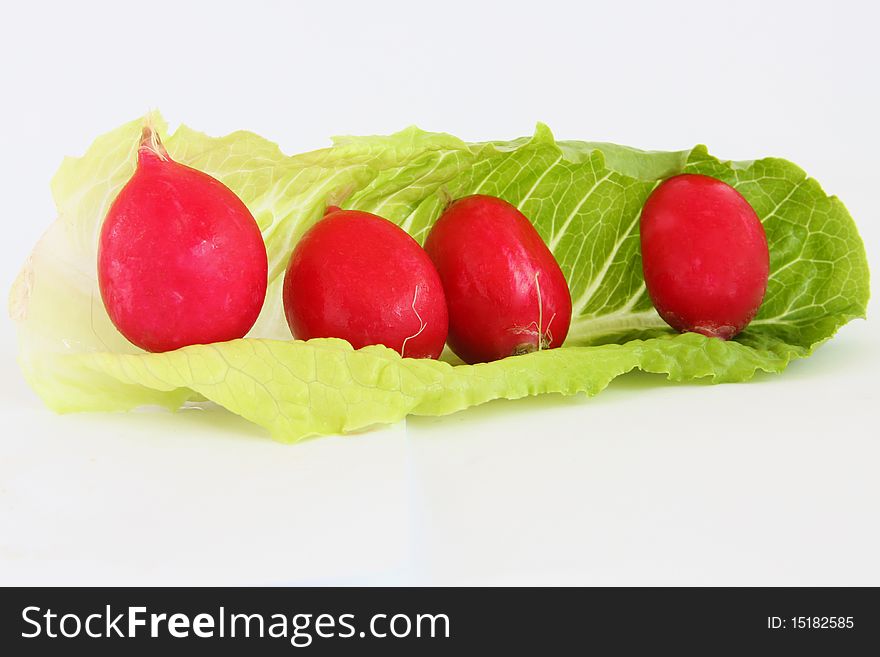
194 497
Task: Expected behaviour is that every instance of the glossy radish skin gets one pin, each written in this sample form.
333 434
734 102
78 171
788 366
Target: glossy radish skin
505 291
359 277
180 260
704 256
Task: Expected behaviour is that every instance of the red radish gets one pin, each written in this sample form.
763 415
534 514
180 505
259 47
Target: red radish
180 260
704 255
505 291
361 278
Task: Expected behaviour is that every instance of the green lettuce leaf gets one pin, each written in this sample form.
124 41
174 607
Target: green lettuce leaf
583 198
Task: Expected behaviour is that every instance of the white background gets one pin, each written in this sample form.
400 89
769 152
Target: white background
772 482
